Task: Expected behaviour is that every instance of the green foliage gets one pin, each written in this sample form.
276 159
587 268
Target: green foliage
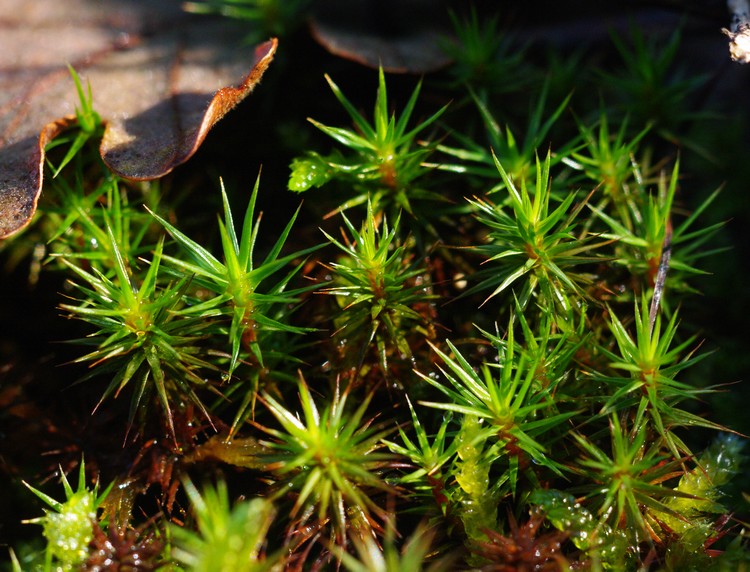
605 546
428 457
647 232
236 282
68 527
477 500
715 468
699 504
378 288
385 162
607 160
653 365
80 227
518 409
483 56
518 158
533 239
516 383
140 336
89 123
259 311
628 478
411 558
240 290
330 459
649 85
227 538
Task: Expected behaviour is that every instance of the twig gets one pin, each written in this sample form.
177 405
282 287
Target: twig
739 32
661 275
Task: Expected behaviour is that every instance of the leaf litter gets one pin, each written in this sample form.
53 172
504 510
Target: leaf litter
160 78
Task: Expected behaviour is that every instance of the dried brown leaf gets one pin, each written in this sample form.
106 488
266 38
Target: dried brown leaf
402 36
160 80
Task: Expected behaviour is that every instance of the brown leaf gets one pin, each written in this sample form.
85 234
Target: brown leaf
399 35
160 80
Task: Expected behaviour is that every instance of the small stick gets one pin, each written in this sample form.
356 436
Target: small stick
739 32
661 275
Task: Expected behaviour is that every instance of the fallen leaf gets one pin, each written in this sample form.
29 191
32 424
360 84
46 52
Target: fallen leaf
403 36
160 80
